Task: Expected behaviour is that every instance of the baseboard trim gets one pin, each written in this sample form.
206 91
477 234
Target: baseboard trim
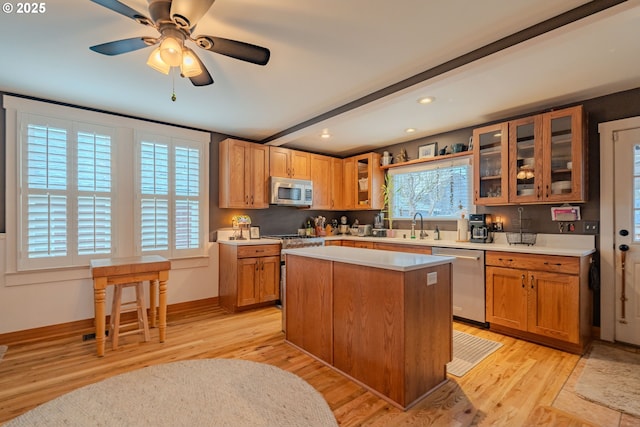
86 326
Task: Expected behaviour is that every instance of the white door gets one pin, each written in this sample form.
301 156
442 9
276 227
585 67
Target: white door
627 235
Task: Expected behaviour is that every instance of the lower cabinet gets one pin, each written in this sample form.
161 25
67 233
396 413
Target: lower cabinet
540 298
249 276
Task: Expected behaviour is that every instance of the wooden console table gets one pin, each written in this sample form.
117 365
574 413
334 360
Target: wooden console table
111 271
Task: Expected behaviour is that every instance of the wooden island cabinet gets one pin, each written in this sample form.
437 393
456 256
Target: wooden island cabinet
382 318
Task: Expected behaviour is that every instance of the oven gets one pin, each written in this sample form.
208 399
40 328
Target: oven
290 241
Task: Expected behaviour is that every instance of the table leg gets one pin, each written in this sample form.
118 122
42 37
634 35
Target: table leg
163 309
99 295
153 302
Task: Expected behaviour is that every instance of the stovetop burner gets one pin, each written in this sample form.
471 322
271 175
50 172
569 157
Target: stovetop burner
295 240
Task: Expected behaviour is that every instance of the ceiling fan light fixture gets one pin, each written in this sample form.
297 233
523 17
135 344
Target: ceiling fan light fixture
155 61
190 66
171 51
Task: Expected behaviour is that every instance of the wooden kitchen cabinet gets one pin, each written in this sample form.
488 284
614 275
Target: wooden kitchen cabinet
536 159
326 175
249 276
547 157
540 298
363 182
490 157
243 175
287 163
425 250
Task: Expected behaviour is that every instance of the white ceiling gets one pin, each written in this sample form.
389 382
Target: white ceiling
325 55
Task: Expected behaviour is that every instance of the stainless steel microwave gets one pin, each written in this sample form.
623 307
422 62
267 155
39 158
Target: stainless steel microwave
291 192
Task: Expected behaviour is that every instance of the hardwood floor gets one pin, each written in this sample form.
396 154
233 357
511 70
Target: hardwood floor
516 386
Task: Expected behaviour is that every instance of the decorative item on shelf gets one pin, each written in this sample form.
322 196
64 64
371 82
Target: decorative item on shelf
402 157
458 148
443 151
386 159
240 223
254 232
428 150
470 143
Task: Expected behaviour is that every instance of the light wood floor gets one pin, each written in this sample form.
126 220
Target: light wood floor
519 385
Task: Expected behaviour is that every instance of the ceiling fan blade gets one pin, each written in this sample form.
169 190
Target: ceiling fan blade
125 10
187 13
235 49
202 79
123 46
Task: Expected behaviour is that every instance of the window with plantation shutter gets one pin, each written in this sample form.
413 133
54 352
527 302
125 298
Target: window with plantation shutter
170 196
83 185
67 197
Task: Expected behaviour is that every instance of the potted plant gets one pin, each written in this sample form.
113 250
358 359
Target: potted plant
387 190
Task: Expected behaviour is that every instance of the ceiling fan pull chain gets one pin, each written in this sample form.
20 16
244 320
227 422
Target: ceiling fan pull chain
173 83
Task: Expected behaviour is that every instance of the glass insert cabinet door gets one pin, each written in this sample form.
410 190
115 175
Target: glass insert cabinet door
526 159
564 154
490 157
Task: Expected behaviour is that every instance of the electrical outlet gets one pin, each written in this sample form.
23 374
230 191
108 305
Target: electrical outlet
591 227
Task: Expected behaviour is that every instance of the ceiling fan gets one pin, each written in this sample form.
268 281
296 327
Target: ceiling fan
175 21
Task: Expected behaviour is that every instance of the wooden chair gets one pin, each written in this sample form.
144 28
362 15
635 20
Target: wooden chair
118 307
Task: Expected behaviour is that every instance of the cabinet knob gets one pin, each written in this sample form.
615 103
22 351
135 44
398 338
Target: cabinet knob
523 285
533 279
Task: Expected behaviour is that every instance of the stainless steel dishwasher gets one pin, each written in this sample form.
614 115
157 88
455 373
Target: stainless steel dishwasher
468 282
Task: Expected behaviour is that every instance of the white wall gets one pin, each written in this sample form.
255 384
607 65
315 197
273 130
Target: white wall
25 305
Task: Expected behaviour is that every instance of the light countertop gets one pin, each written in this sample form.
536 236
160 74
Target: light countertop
388 260
546 244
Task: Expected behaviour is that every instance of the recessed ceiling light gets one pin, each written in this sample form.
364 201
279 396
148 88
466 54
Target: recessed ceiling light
325 134
426 100
410 130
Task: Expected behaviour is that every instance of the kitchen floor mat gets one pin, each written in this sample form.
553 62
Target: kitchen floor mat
468 351
611 377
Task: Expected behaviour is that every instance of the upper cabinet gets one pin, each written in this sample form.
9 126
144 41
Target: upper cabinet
287 163
544 162
490 157
363 181
326 174
244 175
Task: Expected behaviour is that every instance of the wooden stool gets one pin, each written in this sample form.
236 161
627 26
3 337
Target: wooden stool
118 307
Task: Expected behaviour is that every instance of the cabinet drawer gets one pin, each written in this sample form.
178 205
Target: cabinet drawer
553 263
251 251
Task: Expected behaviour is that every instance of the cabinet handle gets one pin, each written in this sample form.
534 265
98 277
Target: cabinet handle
547 191
532 281
523 281
538 196
252 199
259 250
551 263
506 260
246 199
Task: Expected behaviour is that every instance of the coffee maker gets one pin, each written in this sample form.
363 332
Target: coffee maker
480 227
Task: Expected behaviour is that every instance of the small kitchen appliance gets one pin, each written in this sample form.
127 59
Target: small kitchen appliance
480 227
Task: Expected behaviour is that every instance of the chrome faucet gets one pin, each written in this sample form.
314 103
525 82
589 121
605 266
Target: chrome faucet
413 227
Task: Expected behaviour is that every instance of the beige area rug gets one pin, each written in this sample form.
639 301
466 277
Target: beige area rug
468 351
3 350
209 392
611 377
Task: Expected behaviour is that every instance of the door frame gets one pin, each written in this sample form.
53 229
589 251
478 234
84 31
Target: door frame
607 131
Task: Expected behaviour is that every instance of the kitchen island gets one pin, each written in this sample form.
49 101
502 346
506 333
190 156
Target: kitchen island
382 318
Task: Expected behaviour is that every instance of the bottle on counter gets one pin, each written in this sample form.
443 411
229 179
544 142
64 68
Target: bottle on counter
436 234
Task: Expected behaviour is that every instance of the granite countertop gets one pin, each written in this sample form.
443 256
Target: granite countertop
388 260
